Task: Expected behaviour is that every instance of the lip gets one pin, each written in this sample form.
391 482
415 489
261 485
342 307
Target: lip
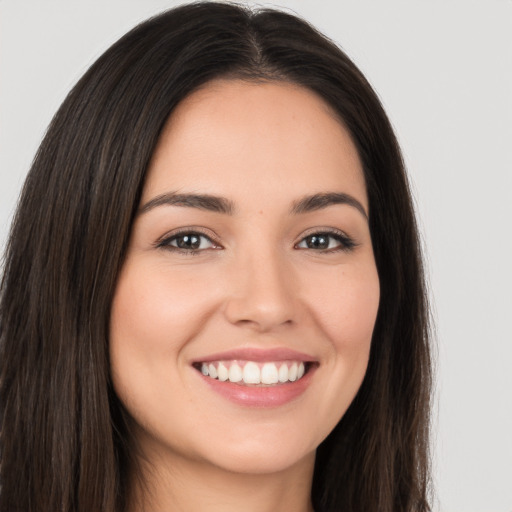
259 396
257 355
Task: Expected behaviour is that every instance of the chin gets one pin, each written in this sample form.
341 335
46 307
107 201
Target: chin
264 452
263 462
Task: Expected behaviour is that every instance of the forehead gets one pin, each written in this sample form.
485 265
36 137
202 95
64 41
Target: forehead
268 138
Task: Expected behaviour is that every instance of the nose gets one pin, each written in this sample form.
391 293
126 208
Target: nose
262 294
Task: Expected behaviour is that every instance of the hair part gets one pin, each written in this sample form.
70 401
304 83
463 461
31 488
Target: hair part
65 437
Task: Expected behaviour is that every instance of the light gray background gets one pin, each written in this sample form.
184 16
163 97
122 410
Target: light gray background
443 69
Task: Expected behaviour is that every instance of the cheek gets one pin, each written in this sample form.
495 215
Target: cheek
346 307
153 318
157 313
344 311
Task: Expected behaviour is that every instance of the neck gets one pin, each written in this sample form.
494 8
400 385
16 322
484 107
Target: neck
194 485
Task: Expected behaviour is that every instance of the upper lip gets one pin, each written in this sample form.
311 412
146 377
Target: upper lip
257 355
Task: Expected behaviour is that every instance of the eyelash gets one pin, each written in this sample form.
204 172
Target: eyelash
165 243
345 243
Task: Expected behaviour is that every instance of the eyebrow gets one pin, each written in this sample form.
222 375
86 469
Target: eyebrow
201 201
223 205
323 200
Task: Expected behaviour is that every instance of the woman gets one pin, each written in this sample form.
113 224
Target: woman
213 294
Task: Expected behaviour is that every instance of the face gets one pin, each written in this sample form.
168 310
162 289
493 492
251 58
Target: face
243 315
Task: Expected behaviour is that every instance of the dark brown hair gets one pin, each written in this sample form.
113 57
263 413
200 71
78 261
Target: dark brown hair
64 441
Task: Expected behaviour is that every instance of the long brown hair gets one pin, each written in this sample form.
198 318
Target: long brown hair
64 441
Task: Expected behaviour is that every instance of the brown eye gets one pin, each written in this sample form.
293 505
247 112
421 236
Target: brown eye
189 241
326 242
317 241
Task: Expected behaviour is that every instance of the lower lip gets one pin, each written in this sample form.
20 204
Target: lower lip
260 396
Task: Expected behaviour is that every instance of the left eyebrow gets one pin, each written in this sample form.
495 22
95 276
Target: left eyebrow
323 200
200 201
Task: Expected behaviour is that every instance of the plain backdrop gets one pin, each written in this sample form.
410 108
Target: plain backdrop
443 69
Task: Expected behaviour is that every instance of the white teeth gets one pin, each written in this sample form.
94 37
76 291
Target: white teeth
292 372
212 371
300 370
235 373
269 374
222 372
283 373
251 373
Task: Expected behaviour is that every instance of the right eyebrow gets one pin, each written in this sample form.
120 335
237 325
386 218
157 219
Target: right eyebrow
323 200
201 201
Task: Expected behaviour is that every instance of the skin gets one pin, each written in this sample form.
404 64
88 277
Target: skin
256 284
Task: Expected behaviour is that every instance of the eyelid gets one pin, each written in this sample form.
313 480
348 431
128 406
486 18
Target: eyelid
347 243
162 242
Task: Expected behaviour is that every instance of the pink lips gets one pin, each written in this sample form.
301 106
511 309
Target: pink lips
260 396
258 355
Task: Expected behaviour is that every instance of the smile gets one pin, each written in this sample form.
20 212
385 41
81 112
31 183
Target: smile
252 373
261 378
